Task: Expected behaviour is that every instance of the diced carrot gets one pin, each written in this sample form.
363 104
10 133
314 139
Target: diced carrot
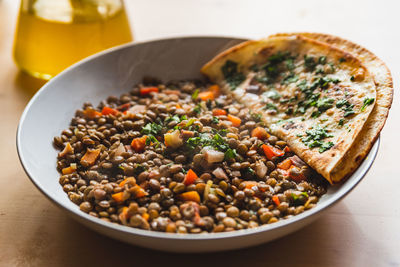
147 90
250 184
276 200
206 95
287 149
285 165
68 149
139 143
108 111
295 174
90 113
124 216
118 197
271 151
215 89
190 196
90 157
235 120
260 133
145 216
68 170
218 112
138 191
129 180
178 106
190 177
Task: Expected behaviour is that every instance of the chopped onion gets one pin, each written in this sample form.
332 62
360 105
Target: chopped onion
137 109
120 149
173 139
297 161
220 173
212 156
261 169
207 189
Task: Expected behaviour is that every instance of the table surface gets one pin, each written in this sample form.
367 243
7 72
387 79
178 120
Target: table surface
361 230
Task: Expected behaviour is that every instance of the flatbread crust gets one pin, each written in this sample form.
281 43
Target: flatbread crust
248 53
384 97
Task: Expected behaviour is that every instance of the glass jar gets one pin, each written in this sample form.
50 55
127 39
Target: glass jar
53 34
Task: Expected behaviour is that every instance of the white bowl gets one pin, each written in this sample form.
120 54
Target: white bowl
114 72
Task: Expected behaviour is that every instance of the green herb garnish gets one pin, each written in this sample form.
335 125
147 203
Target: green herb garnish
152 128
367 102
195 94
231 74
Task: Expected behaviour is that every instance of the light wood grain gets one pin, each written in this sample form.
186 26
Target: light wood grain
362 230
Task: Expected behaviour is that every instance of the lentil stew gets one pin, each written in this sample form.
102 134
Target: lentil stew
181 158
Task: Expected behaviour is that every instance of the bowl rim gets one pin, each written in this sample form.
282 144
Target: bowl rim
342 192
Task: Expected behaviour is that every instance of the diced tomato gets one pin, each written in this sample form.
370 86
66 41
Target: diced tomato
285 165
215 89
206 95
276 200
218 112
118 197
108 111
190 177
250 184
295 174
147 90
271 151
236 121
138 191
260 133
90 113
138 144
190 196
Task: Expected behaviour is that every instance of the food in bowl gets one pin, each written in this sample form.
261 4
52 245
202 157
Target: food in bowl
182 158
170 170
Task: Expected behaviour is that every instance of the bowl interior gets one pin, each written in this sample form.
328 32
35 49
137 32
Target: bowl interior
114 72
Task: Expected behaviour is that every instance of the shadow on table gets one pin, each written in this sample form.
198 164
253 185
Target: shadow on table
27 85
297 249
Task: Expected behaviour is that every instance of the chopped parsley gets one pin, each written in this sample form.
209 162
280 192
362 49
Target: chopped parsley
290 78
152 128
203 140
230 154
270 106
272 94
341 122
151 139
215 120
346 106
310 62
256 116
197 109
367 102
231 74
322 60
324 104
195 94
314 138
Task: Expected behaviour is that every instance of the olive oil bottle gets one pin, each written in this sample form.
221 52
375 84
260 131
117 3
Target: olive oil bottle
51 35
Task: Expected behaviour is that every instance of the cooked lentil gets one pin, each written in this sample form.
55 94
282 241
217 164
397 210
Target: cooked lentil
180 158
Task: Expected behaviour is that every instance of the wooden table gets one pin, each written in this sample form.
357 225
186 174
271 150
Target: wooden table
362 230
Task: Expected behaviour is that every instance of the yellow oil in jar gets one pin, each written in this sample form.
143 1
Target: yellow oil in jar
51 37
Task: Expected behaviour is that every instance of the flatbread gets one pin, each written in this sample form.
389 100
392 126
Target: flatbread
326 95
384 98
